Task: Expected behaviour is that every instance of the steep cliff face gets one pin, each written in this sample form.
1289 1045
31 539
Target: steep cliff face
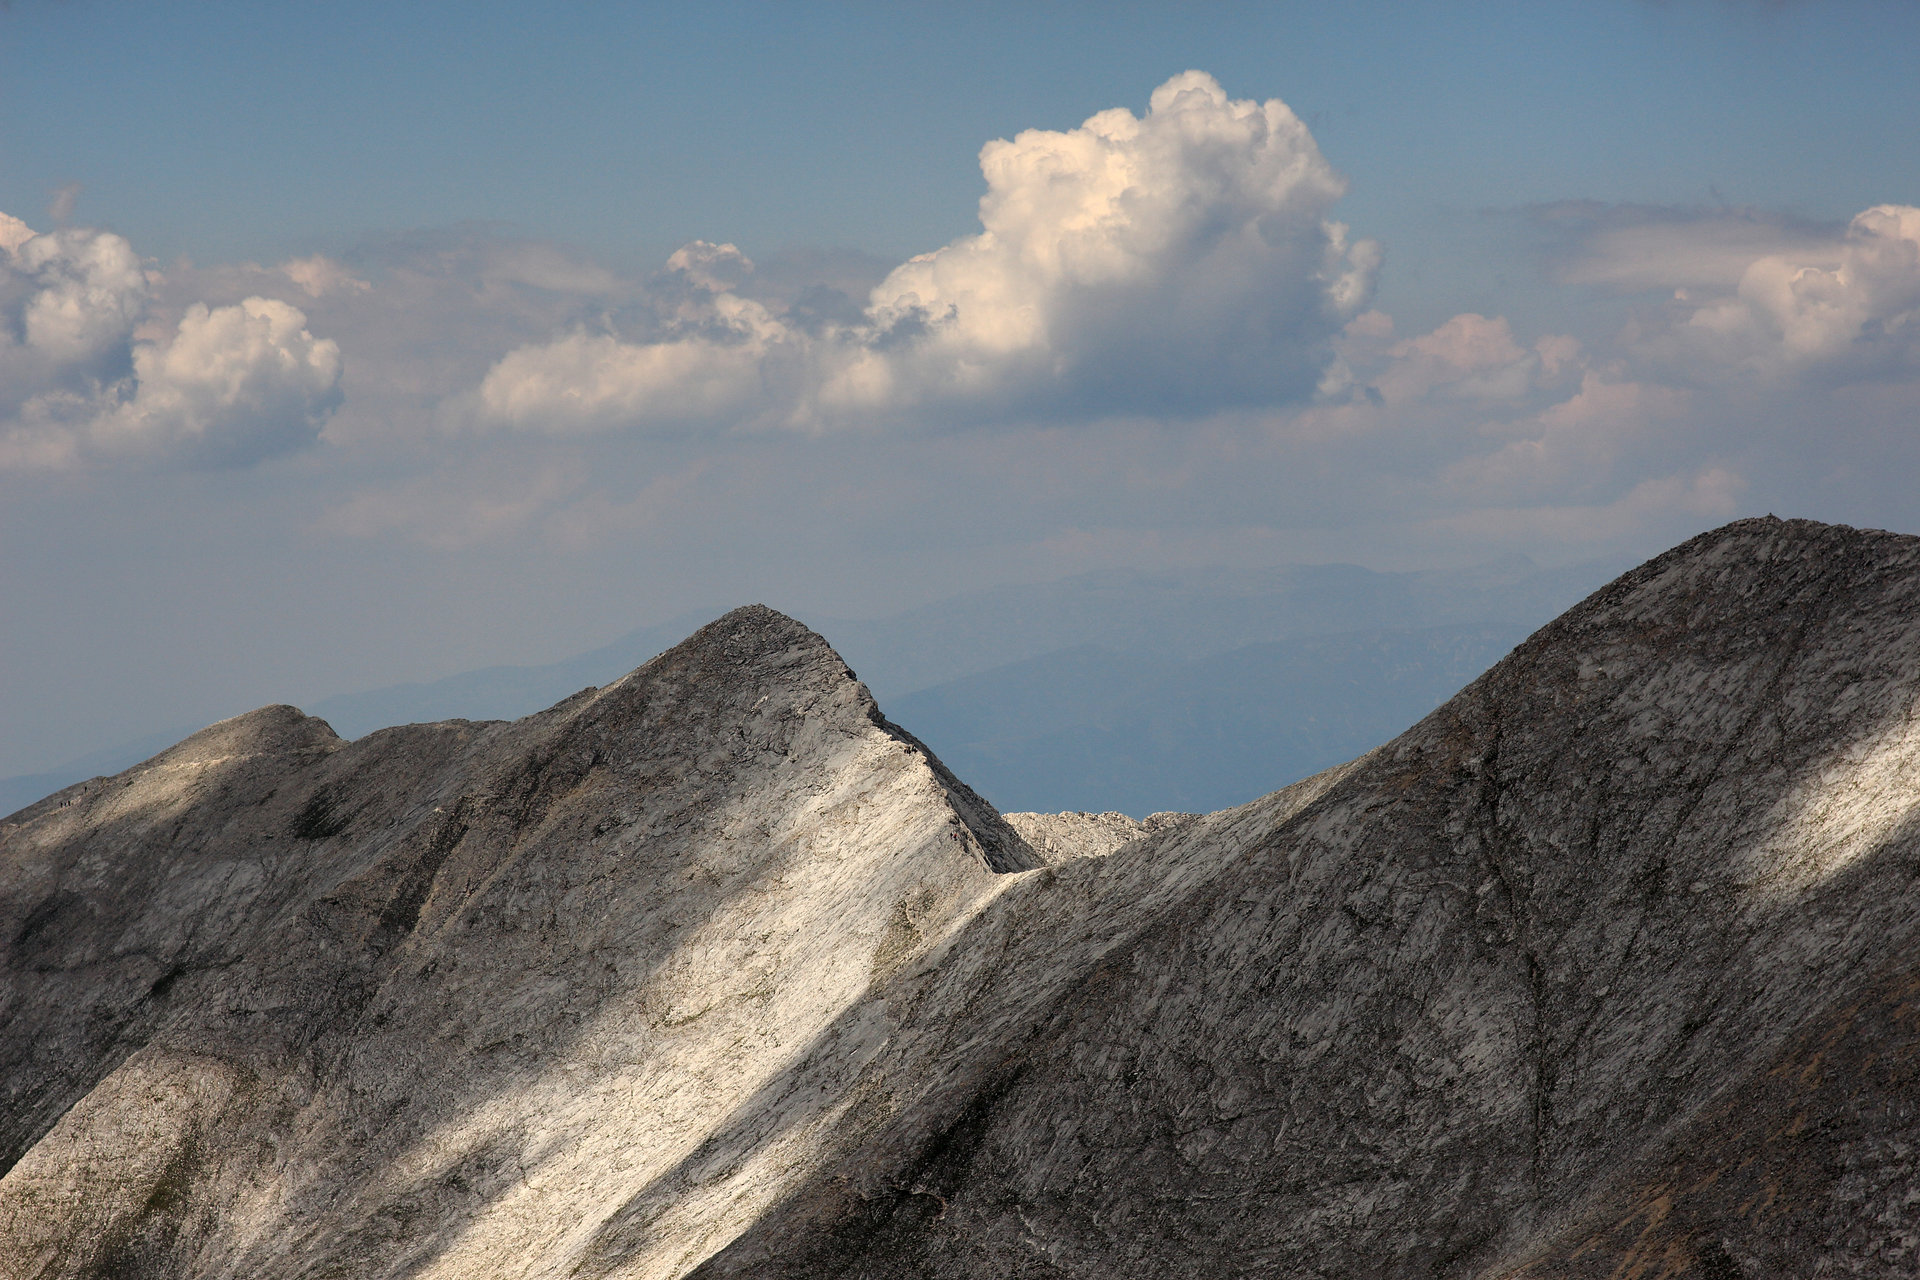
1608 967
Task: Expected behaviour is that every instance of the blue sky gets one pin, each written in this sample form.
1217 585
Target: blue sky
348 344
227 131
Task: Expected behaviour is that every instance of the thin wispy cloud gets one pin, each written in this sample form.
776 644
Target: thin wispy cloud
1641 248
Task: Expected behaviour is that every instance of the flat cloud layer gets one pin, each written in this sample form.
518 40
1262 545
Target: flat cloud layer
1174 263
87 376
1635 248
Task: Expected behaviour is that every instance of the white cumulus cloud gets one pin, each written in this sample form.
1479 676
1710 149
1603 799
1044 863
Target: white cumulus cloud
1810 316
87 374
71 297
1172 263
320 275
234 385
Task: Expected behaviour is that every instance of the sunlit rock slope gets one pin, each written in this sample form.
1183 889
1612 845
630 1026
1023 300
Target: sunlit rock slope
1608 967
441 1001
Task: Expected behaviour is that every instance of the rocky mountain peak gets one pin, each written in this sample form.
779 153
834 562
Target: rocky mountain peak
1605 967
275 730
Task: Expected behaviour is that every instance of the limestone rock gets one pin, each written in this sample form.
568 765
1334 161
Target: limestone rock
1607 967
441 1001
1602 969
1061 837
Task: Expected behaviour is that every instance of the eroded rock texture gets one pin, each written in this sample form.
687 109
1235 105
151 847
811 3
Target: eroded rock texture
1606 968
1062 837
441 1001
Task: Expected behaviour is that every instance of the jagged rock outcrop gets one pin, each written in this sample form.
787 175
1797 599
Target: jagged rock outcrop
1606 968
1062 837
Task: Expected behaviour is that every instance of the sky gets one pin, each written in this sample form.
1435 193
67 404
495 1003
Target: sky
350 344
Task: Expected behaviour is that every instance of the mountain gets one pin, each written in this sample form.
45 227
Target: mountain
23 789
1163 617
1091 729
395 970
498 693
1194 613
1606 967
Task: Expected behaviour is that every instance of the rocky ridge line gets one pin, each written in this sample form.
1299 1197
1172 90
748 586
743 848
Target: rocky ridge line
1604 968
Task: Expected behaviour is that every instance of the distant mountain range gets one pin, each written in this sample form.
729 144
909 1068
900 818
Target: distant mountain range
1188 690
1090 729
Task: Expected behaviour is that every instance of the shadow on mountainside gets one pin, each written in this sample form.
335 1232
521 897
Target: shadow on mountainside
1623 1012
420 857
1603 962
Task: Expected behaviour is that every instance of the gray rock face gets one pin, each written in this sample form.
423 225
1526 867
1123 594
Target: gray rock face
1062 837
1606 968
441 1001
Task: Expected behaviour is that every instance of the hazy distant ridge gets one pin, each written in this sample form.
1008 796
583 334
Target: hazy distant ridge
1086 632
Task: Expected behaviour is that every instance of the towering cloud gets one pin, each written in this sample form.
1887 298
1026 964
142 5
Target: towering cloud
1173 263
71 300
1826 313
87 375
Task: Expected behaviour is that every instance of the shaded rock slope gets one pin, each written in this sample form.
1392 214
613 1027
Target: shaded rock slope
1606 968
